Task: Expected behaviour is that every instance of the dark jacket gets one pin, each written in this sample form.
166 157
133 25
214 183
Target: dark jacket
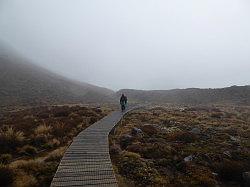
123 100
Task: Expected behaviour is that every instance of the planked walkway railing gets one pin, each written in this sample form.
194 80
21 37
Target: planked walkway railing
87 161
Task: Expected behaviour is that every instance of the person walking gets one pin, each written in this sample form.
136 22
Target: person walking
123 102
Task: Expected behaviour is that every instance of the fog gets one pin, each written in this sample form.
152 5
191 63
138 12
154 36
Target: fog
142 44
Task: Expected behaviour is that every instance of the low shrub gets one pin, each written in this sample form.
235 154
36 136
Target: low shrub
6 175
230 170
10 139
136 148
5 158
59 130
53 143
40 139
125 140
182 136
28 150
217 115
28 166
42 171
25 180
115 150
62 112
56 155
149 129
43 129
133 167
200 176
156 151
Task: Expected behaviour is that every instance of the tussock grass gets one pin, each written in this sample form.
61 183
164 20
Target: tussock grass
43 129
33 141
10 139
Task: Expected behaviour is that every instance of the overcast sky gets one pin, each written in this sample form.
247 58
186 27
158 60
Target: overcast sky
142 44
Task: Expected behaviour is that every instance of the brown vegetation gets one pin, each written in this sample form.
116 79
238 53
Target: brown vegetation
189 146
33 141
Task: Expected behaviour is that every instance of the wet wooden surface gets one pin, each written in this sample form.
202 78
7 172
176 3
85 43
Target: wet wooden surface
87 161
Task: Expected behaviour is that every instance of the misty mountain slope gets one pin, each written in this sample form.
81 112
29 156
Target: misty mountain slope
239 95
22 83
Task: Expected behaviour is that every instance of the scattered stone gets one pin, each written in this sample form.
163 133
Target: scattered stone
233 139
172 129
135 131
182 109
98 109
189 158
227 153
195 131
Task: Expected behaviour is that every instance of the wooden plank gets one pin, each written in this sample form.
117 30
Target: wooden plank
87 161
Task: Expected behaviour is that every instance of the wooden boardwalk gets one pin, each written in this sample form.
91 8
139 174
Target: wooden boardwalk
87 161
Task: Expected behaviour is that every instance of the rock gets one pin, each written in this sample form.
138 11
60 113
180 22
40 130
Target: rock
135 131
182 109
246 178
195 131
233 139
126 140
189 158
149 129
172 129
227 153
98 109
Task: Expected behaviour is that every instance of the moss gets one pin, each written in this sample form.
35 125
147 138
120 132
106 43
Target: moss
132 166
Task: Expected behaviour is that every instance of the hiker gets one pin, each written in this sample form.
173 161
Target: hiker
123 102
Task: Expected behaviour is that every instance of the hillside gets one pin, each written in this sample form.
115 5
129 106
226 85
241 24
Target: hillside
25 84
239 95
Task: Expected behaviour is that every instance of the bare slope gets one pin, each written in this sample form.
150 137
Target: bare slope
23 83
239 95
